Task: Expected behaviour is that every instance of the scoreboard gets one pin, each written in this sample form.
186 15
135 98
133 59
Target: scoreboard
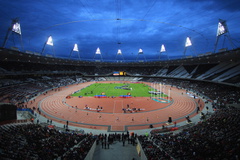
119 73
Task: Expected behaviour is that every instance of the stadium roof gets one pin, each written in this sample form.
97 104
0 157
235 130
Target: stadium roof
116 24
7 55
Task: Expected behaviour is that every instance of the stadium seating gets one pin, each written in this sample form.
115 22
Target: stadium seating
217 137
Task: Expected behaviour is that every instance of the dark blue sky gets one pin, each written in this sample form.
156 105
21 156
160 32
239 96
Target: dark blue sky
121 24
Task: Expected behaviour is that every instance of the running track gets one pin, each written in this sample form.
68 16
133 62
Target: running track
53 106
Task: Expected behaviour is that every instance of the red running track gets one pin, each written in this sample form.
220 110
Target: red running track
55 106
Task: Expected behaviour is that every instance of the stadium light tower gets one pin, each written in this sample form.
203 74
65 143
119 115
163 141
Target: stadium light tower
163 49
75 49
49 42
188 44
98 52
15 28
140 52
222 30
119 53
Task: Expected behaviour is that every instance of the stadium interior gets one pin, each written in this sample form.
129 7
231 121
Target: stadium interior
25 76
151 105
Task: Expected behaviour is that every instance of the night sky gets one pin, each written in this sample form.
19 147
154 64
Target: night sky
121 24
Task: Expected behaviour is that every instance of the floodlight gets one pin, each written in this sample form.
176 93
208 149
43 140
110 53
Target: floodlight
75 48
222 27
188 42
163 48
140 51
119 52
16 28
98 51
50 41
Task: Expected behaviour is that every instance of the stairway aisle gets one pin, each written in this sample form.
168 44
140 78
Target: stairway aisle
116 151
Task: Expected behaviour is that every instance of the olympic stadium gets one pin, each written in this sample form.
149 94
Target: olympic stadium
108 94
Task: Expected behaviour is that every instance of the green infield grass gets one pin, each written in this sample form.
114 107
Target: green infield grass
116 89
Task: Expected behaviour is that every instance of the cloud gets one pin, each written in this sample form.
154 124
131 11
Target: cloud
128 25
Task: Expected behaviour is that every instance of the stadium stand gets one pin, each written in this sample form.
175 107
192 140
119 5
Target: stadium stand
215 76
33 141
215 138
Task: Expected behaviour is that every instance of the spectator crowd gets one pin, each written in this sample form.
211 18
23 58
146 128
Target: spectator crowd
216 138
32 141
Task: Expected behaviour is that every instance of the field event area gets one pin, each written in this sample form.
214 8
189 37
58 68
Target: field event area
117 90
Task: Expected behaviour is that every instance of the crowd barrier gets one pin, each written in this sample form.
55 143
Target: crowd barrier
91 152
